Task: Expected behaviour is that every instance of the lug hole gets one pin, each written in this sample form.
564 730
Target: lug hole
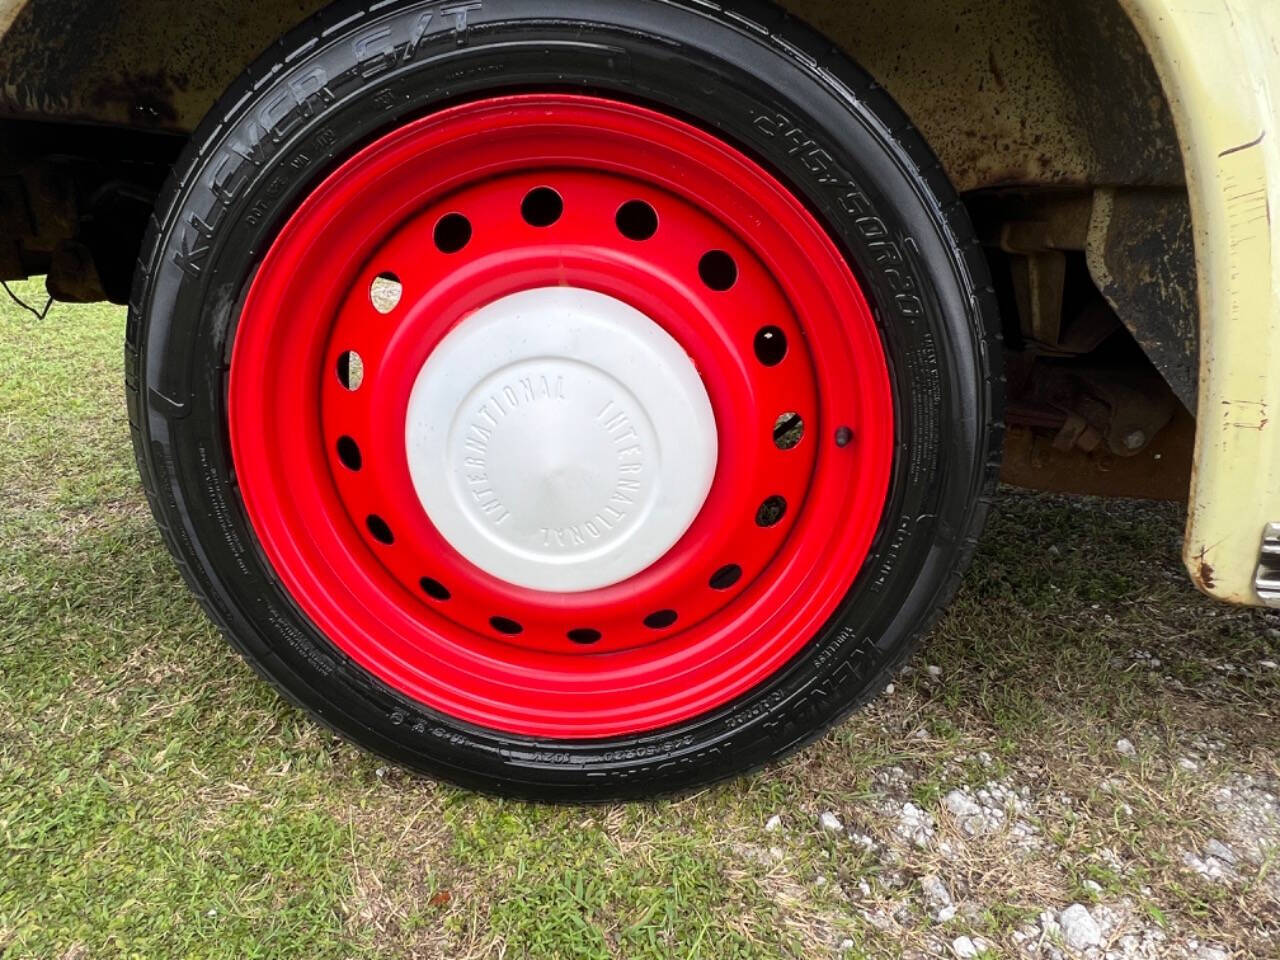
844 437
542 207
385 292
585 637
349 453
726 577
788 431
506 626
718 270
434 589
453 232
771 512
637 220
661 620
378 527
350 370
771 346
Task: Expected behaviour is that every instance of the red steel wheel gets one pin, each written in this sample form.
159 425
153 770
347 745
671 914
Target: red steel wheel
580 424
573 400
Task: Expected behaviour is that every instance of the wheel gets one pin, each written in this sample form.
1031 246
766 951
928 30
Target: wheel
574 400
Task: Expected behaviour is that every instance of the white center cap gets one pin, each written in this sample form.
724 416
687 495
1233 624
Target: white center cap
561 440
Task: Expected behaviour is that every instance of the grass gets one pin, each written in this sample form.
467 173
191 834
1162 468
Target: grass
157 800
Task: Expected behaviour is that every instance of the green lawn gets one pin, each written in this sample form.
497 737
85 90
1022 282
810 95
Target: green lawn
157 800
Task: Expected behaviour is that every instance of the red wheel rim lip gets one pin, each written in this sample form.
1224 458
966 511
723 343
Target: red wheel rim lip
329 568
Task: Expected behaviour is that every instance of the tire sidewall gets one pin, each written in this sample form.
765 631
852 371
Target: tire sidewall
754 80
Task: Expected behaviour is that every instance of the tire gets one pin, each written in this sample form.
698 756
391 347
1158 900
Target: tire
747 76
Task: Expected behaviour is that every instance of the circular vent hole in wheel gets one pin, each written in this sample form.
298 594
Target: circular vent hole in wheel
718 270
349 453
506 626
788 431
771 346
452 233
385 292
434 589
726 577
637 220
771 512
379 529
661 620
542 207
350 370
585 636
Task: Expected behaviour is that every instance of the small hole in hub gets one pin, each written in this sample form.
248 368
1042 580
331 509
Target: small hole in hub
434 589
505 626
771 346
378 527
718 270
726 577
661 620
771 512
453 232
637 220
788 431
385 292
349 453
542 207
350 370
586 637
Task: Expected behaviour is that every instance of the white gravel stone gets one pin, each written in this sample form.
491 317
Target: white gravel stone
773 824
1125 748
831 823
1220 851
915 825
1269 665
933 671
961 804
1211 868
935 891
946 914
1079 930
964 948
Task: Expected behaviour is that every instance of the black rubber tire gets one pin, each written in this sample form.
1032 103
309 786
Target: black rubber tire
745 70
